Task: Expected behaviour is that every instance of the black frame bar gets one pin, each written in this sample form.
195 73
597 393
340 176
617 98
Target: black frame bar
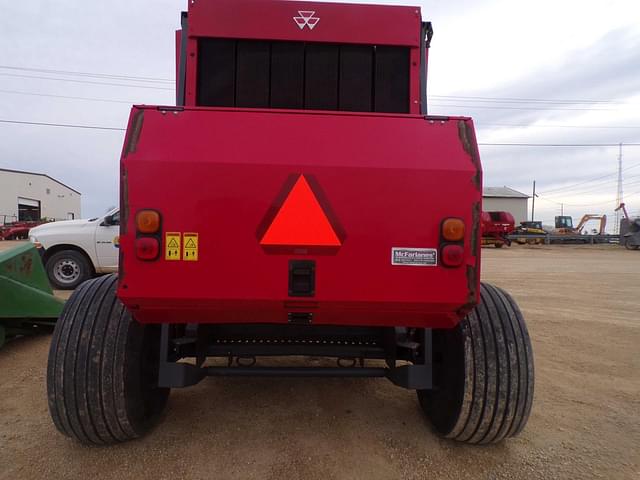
182 67
241 344
425 43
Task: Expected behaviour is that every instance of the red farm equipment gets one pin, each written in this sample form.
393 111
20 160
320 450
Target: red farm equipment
16 230
298 201
496 226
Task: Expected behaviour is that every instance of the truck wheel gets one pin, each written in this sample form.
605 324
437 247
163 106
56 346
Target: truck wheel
483 373
67 269
102 369
629 245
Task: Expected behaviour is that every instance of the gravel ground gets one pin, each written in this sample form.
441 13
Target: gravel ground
581 304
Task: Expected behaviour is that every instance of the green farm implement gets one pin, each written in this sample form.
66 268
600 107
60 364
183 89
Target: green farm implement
27 303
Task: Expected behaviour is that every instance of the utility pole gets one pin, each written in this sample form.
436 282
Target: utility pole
533 201
619 199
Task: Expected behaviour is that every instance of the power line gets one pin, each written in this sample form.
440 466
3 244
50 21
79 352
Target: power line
169 80
503 107
557 144
15 92
608 185
586 186
67 125
482 125
525 100
93 99
89 74
569 187
586 204
84 81
482 144
445 98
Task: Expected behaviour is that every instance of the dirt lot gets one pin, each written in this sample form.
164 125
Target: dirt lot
582 305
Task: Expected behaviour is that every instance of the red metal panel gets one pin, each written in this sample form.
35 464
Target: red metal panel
282 20
389 179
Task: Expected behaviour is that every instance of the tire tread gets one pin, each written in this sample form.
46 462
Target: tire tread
498 373
88 366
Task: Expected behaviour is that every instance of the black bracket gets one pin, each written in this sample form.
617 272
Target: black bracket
413 347
182 66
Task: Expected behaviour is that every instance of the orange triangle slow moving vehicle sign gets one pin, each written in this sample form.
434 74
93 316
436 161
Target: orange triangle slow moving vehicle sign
301 221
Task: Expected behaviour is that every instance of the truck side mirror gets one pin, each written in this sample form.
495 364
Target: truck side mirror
111 220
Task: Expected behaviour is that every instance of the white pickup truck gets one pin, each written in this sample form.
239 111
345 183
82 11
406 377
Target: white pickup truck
75 250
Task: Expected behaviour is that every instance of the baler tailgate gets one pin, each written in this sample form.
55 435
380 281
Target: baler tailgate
360 198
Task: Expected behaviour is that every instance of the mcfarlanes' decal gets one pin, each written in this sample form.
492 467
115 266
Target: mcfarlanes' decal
417 257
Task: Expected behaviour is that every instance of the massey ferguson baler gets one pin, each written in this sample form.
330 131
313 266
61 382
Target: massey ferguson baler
298 201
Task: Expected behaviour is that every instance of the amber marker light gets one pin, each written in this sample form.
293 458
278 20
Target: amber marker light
453 229
148 221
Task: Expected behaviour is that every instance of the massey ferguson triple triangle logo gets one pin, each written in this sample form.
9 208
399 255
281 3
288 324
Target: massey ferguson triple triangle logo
306 19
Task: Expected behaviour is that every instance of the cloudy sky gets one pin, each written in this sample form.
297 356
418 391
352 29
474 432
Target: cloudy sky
542 72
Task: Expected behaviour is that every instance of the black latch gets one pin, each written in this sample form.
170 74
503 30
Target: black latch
300 318
302 278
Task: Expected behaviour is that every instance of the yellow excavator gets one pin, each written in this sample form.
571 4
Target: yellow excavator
564 224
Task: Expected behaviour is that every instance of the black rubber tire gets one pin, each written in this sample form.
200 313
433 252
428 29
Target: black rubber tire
483 371
102 370
499 245
84 266
629 245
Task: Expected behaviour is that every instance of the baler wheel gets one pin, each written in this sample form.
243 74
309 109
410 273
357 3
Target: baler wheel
483 372
102 370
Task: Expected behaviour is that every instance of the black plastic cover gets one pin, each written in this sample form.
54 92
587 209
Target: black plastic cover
299 75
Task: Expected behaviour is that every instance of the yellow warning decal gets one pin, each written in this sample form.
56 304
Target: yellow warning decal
190 248
172 246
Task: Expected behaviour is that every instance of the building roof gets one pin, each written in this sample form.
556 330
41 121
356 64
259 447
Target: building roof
503 192
41 175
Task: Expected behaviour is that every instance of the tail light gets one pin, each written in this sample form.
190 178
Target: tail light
452 233
148 235
452 255
147 248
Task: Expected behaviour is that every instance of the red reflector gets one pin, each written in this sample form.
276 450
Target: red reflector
452 255
301 221
147 248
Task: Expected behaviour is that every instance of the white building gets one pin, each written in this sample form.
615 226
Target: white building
505 199
32 196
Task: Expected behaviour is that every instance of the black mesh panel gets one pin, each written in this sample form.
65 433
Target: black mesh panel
287 75
252 74
298 75
392 80
356 78
216 72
